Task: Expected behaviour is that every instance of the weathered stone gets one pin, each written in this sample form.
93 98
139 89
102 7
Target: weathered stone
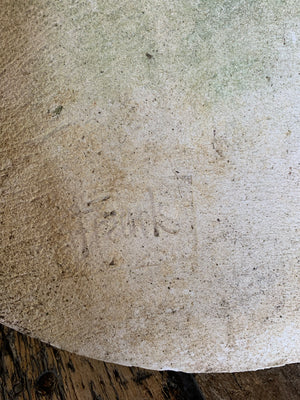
150 180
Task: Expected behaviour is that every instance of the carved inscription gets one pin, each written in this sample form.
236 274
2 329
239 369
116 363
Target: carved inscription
156 227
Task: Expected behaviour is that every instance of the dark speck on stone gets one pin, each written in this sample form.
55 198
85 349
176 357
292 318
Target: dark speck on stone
57 110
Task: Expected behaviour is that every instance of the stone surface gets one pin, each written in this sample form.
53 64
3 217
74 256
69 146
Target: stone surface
150 180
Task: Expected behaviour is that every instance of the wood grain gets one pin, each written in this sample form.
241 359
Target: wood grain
31 370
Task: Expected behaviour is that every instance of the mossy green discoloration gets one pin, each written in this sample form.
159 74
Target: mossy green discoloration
210 49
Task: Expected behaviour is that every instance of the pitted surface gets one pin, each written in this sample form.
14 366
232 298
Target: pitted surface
149 176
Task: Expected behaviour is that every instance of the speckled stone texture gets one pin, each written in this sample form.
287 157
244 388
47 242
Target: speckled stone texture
149 172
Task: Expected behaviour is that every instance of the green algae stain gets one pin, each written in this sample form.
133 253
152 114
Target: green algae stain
230 48
210 49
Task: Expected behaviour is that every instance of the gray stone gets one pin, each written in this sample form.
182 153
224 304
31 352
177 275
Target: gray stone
149 177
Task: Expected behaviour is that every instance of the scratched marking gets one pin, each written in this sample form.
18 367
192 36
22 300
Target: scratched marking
155 228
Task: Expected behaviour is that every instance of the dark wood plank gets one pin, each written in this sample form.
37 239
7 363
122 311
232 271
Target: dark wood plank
32 370
270 384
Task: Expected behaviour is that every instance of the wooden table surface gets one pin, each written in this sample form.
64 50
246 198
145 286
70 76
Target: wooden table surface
33 370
